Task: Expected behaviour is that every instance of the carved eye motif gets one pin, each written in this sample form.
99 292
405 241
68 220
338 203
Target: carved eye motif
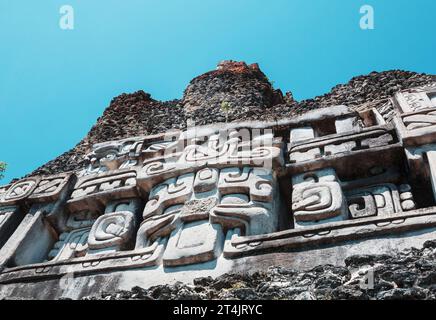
112 230
110 156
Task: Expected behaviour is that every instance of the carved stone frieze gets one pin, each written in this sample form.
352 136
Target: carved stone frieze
416 115
209 197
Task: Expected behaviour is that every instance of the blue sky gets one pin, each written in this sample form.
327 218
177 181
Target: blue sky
55 83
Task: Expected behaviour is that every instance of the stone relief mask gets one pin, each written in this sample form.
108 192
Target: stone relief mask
316 197
320 197
112 155
194 211
214 187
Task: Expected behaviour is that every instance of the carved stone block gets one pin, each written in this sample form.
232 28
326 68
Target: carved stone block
416 99
196 151
10 218
81 219
416 115
134 205
50 188
317 201
93 192
112 155
344 151
198 209
253 181
317 197
194 242
18 191
372 201
236 212
206 180
70 245
112 231
302 134
172 192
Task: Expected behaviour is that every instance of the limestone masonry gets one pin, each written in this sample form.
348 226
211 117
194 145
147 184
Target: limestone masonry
169 194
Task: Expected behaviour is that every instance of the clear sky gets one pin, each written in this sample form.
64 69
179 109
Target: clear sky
55 83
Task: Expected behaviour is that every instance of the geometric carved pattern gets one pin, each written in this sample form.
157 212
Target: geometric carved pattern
209 192
91 192
416 115
317 201
380 200
317 197
187 211
70 245
18 191
112 231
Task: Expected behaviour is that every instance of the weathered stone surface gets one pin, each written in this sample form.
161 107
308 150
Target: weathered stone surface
236 196
136 114
406 276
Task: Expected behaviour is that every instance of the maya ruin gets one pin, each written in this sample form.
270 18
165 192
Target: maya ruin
198 197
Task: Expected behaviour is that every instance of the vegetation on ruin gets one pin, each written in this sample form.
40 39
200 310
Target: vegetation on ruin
226 107
2 169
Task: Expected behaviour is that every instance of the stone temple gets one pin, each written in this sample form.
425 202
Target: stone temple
292 191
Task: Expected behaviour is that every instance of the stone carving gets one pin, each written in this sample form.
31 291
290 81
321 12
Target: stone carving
187 211
70 245
156 149
418 121
73 238
10 217
81 219
321 197
18 191
35 190
235 211
416 113
406 197
219 150
313 239
416 99
92 192
112 231
317 197
208 196
318 201
206 180
253 181
175 212
194 242
50 188
379 200
344 145
112 155
174 191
